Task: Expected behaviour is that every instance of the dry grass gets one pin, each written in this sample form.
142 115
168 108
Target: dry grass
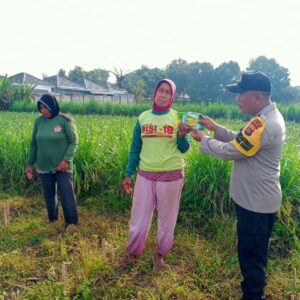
42 261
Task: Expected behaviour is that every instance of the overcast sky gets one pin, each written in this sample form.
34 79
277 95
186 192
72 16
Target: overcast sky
42 36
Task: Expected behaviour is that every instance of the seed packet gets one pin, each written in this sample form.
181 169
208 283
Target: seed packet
191 119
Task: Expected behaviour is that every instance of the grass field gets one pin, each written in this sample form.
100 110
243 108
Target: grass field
101 160
290 112
41 261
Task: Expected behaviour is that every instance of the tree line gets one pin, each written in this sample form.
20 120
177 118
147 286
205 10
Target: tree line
197 81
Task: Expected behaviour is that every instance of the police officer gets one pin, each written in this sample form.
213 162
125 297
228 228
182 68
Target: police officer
254 186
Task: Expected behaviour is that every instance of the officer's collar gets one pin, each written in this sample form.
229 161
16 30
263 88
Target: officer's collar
267 109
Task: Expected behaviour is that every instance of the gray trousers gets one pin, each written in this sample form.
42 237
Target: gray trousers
64 182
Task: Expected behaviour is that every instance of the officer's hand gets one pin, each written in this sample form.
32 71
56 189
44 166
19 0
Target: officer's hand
209 123
183 129
127 185
197 135
29 173
62 166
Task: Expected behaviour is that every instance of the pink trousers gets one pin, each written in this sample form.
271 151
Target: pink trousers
148 195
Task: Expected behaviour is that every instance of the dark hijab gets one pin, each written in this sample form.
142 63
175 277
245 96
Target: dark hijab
50 103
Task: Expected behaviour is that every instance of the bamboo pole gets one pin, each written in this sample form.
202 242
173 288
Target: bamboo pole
6 214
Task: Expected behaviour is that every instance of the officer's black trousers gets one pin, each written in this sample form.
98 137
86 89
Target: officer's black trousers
64 182
254 230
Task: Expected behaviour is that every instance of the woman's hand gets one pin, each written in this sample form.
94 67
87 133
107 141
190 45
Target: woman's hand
183 129
197 135
29 173
62 166
127 185
209 123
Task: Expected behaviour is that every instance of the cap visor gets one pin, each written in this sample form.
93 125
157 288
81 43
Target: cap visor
234 88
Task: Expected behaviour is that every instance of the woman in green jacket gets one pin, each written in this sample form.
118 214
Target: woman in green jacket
53 145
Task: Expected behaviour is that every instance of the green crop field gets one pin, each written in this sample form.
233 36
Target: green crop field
45 263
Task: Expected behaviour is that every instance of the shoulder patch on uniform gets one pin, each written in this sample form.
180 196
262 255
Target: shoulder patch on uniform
248 139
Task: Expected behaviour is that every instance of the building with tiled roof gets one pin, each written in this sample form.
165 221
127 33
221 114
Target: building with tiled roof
62 83
65 89
94 88
32 81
